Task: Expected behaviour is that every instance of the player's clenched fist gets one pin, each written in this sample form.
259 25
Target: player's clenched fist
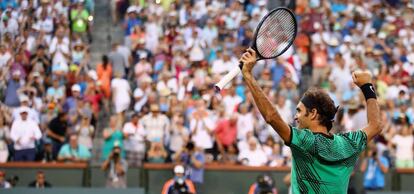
361 77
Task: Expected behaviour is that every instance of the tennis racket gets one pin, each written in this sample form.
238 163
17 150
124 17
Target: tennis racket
273 36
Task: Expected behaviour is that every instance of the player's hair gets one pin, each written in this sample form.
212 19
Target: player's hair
318 99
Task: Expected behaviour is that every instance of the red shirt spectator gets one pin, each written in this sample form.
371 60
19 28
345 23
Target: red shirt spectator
226 131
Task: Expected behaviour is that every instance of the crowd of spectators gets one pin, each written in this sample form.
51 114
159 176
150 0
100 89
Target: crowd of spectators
154 91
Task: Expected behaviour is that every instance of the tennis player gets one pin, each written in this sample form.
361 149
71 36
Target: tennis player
321 162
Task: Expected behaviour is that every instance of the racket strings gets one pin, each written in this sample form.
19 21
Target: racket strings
275 34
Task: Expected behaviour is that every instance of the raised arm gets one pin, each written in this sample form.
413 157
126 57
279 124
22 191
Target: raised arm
363 79
264 105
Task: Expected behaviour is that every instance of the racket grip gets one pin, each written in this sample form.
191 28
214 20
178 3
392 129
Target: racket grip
226 79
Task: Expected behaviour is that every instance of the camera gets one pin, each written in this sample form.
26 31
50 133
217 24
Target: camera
116 155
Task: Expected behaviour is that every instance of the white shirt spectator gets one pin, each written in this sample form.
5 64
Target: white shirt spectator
254 155
404 147
139 103
24 134
341 77
121 94
222 66
218 66
32 114
61 9
151 39
156 127
230 102
209 34
245 124
4 58
136 136
59 59
285 111
196 47
201 132
39 10
45 25
11 27
31 43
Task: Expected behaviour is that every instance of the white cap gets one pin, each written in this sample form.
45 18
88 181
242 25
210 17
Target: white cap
138 93
347 39
382 35
316 25
92 74
143 56
35 74
146 79
179 169
262 3
23 98
132 9
76 87
24 109
255 12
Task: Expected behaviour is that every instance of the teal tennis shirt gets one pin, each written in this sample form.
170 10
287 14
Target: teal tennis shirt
323 164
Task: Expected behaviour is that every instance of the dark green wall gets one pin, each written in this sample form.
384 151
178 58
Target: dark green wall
72 191
216 181
58 177
98 177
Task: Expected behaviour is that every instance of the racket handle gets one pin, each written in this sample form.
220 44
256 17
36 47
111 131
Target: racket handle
226 79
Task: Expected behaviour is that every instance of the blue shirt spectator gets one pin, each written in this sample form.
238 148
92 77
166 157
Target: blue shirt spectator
4 4
375 169
73 151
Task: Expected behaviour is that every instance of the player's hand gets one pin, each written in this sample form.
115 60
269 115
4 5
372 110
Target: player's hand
361 77
249 60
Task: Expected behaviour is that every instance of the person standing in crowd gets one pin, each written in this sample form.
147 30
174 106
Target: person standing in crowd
403 142
24 132
11 96
135 137
374 167
193 159
4 138
57 130
202 127
121 93
112 135
179 133
116 169
156 125
85 131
